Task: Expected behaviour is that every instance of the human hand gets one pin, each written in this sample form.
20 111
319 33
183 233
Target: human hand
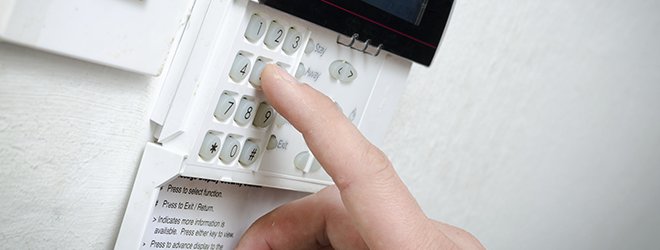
369 208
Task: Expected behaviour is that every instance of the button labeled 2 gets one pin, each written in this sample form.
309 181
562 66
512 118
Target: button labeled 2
275 35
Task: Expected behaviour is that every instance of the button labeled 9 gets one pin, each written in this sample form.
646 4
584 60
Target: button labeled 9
265 115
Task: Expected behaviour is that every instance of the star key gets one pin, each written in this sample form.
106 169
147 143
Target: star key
209 147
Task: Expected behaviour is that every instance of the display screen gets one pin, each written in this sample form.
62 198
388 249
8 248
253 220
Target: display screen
409 10
409 28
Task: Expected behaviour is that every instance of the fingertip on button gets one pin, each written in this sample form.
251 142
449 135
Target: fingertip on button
255 77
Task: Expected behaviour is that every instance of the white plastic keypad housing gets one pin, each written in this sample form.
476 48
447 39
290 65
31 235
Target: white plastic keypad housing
199 77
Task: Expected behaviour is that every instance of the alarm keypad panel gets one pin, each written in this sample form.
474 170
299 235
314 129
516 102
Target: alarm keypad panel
239 115
214 123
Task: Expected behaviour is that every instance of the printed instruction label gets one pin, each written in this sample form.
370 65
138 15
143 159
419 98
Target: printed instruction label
193 213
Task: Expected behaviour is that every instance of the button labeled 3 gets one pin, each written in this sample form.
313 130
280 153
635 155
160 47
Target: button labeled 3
292 42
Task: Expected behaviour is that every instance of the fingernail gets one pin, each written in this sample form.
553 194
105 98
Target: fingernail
285 75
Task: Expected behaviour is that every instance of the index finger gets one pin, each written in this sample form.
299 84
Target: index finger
380 205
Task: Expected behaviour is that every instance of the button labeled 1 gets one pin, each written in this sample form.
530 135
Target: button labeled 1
256 28
300 161
343 71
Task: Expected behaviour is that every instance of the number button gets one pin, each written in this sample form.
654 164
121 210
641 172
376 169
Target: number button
210 147
256 28
255 77
226 106
240 68
249 154
230 150
245 111
265 116
293 41
274 35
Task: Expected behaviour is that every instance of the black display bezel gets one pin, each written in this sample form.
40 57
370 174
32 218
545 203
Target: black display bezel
398 36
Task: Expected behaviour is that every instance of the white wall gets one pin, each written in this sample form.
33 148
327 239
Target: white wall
536 127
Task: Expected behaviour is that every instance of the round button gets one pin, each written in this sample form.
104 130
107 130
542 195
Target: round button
310 46
300 162
300 71
272 143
